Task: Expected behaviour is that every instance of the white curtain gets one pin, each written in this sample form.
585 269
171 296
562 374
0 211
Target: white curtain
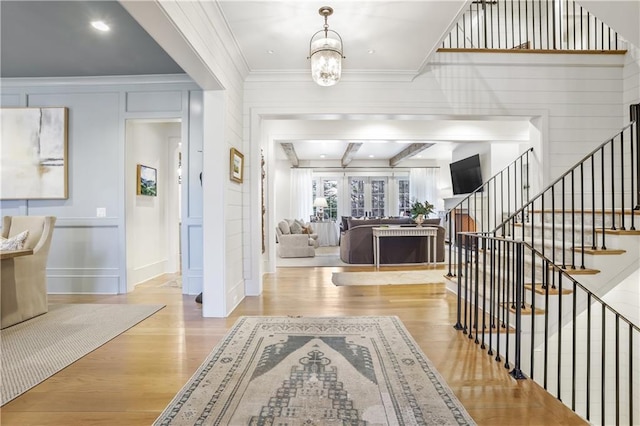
301 194
423 184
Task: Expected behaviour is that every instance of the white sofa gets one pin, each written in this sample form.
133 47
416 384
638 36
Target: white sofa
294 240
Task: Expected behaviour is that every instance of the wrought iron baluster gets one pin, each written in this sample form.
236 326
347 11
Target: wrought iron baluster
613 188
603 366
622 168
602 173
588 368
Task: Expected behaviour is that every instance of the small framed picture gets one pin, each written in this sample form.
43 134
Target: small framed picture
147 179
236 166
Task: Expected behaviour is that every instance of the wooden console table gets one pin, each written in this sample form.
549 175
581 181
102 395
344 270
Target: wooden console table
405 231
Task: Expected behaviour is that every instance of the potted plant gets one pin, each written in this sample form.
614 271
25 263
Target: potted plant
419 211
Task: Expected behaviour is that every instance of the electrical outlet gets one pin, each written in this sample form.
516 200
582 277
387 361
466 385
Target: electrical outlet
101 212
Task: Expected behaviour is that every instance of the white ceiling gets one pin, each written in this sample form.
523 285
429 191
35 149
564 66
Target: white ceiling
392 38
274 35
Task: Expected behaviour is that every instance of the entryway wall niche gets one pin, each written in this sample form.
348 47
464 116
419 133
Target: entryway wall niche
152 222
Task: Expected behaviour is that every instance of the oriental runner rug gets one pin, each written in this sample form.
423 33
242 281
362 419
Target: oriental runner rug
316 371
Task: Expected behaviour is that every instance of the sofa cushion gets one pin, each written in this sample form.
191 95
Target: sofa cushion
358 222
284 227
14 243
434 221
295 227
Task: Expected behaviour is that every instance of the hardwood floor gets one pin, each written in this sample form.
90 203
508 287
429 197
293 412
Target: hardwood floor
131 379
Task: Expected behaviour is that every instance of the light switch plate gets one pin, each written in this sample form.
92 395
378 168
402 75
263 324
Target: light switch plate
101 212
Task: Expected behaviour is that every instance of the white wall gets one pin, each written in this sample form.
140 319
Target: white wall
231 230
574 101
147 217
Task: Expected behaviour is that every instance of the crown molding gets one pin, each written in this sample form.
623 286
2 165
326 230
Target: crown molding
98 80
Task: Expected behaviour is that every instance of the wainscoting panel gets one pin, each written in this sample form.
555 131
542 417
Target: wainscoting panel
84 256
192 262
154 101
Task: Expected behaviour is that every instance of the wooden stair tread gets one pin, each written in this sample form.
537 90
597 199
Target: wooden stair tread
525 311
599 251
552 291
576 271
619 231
628 211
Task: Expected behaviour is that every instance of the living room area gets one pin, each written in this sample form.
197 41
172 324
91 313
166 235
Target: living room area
334 192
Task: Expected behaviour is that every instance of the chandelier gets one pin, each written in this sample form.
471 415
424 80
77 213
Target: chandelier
326 53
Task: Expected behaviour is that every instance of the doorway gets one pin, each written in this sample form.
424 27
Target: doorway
153 179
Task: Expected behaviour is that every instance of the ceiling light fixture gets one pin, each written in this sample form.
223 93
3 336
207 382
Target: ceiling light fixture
100 26
326 53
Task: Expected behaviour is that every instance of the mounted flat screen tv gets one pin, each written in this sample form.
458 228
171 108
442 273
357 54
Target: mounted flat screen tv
466 175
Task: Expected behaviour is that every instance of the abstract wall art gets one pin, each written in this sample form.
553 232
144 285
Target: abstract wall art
33 153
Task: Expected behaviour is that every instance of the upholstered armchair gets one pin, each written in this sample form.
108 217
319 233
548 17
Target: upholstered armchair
295 244
24 281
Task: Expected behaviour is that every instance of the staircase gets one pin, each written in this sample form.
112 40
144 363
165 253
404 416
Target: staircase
531 291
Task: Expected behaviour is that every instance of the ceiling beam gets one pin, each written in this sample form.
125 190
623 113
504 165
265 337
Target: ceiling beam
409 151
351 150
291 153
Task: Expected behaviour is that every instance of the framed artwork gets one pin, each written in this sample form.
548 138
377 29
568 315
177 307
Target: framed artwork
236 165
33 153
147 181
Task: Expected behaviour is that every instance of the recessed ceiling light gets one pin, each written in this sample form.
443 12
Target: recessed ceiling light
371 155
322 156
270 52
371 51
100 25
418 156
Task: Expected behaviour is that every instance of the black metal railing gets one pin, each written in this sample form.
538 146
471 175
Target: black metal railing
531 24
543 324
516 297
486 208
573 214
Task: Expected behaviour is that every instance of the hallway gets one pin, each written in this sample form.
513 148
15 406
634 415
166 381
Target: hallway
132 378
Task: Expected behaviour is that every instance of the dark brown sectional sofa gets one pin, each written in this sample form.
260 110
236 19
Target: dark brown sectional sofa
356 242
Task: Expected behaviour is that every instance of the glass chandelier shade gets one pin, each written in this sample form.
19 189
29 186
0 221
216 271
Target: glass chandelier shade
325 52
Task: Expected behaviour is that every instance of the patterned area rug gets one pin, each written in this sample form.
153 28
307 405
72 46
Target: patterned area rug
38 348
316 371
429 276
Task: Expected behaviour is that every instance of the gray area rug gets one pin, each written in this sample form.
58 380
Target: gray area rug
325 257
38 348
316 371
427 276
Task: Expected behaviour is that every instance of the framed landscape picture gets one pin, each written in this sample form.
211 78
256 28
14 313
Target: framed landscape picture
147 181
236 165
33 153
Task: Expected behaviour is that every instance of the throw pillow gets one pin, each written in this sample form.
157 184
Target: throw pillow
296 228
14 243
284 227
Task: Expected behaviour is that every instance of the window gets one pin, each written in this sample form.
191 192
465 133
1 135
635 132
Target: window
378 187
330 192
404 203
368 196
357 197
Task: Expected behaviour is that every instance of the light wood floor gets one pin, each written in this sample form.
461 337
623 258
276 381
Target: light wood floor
131 379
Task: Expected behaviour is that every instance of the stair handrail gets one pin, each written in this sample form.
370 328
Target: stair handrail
472 315
588 162
459 205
